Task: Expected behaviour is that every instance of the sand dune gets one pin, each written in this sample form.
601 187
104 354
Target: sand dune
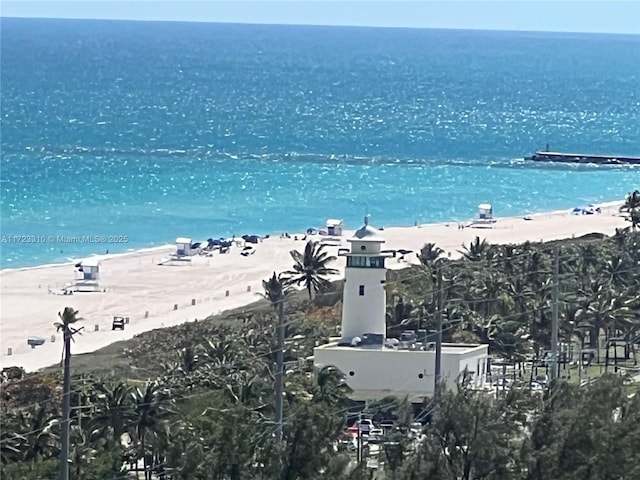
148 293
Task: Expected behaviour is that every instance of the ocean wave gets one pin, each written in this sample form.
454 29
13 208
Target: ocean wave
201 154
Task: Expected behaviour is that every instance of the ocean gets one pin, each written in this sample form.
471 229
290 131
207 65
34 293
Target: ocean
125 135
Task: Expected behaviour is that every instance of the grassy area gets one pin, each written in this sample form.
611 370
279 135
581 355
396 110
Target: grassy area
117 359
113 360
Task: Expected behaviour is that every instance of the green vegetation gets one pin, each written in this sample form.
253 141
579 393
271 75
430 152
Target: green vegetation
196 401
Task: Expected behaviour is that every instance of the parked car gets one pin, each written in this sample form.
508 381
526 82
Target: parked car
387 426
502 382
541 379
352 431
535 386
366 425
347 444
118 323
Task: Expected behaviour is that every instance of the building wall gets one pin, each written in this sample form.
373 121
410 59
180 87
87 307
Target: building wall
476 364
397 372
364 313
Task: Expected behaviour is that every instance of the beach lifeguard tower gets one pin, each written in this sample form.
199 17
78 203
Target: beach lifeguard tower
334 227
485 216
183 247
87 276
485 211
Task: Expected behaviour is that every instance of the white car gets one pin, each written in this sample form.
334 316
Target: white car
502 382
366 425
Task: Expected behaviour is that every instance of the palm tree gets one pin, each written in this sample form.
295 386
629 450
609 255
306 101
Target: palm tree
39 439
223 352
11 444
429 254
618 270
310 268
331 387
68 317
114 412
476 250
82 453
242 387
275 288
632 207
632 201
605 311
151 407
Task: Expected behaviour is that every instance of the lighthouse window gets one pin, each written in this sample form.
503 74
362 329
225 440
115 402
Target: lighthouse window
365 262
377 262
361 290
356 261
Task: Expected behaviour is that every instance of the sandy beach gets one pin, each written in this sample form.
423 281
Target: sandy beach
154 296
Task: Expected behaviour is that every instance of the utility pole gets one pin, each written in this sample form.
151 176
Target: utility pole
438 362
68 333
554 318
279 369
66 406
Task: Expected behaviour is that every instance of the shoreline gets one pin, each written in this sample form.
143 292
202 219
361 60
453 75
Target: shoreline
169 246
154 296
103 256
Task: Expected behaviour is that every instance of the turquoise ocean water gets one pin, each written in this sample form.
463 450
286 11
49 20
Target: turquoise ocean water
155 130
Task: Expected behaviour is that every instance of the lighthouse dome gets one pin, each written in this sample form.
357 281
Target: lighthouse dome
368 233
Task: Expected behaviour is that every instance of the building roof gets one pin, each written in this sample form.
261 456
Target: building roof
334 222
183 240
484 206
90 262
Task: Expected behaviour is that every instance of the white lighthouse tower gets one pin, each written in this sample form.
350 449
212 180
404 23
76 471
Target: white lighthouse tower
376 367
364 300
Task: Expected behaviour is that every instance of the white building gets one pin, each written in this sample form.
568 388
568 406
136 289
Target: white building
374 366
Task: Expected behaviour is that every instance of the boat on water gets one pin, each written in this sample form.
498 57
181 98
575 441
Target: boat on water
547 156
